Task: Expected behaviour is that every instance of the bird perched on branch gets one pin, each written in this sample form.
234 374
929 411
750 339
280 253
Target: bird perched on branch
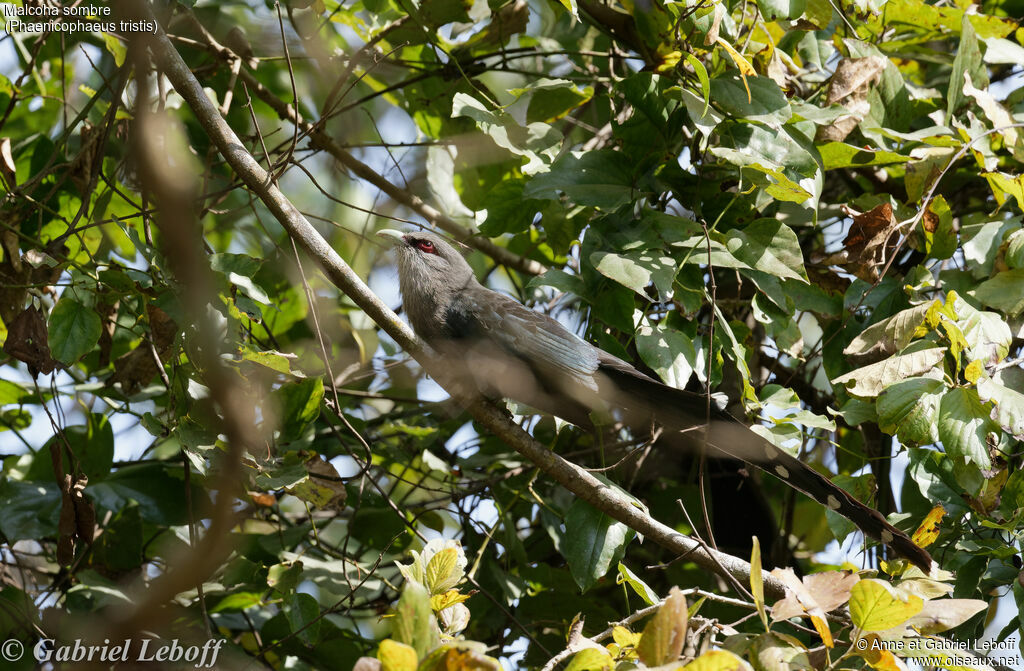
503 349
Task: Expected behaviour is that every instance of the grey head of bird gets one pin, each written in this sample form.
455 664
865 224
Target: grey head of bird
431 275
427 258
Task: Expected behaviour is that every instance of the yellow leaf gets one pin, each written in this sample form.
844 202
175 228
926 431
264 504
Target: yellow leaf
745 67
624 637
975 371
395 656
929 529
877 656
717 660
591 659
874 606
894 567
821 626
665 634
1003 185
439 602
757 581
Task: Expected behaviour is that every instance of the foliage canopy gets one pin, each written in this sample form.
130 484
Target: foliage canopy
813 207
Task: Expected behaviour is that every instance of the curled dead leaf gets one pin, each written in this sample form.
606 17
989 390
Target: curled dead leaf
28 341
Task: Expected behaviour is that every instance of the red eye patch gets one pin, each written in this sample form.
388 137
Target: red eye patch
425 246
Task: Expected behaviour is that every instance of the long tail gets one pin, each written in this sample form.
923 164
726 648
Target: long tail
726 436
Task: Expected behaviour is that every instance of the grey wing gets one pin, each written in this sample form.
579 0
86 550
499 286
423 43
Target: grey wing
534 337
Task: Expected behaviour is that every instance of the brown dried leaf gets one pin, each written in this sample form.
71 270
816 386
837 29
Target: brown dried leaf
28 341
943 614
65 550
162 327
815 595
831 589
930 220
108 314
85 514
136 368
850 85
870 242
66 525
854 78
330 490
133 369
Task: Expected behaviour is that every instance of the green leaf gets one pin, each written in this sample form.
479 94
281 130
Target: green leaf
875 606
757 581
116 48
287 475
767 104
508 211
598 179
702 76
237 602
636 270
74 330
769 246
932 472
719 660
300 405
537 142
12 392
909 409
964 425
413 623
552 99
570 5
560 280
941 241
953 19
1014 255
780 651
781 9
1009 404
159 494
670 353
92 444
284 577
304 617
1004 292
1004 185
31 509
443 571
774 182
988 336
593 542
638 585
838 155
968 61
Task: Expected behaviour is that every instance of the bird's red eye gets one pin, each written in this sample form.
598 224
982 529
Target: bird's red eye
426 246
